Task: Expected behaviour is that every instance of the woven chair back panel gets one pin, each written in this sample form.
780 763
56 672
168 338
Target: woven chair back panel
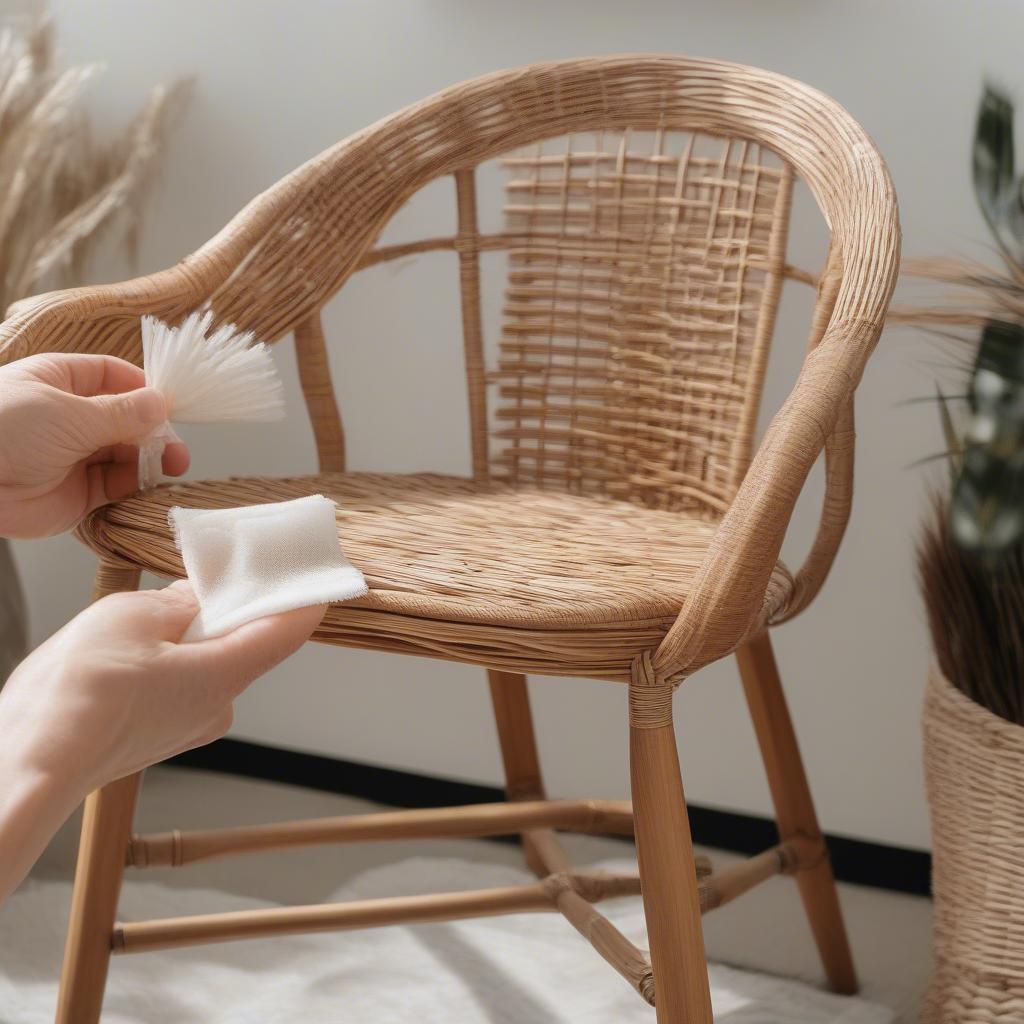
638 309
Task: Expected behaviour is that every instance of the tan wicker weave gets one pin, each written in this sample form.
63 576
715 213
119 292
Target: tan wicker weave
618 522
974 766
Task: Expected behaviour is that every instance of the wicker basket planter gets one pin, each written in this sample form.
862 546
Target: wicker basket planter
974 765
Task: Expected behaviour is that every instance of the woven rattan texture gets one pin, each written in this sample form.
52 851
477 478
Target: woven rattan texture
599 577
974 765
637 316
277 263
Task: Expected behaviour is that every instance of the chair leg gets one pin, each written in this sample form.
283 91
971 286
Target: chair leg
106 830
794 807
668 877
523 780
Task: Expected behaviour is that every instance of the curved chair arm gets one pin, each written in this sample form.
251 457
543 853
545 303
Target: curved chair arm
727 599
286 253
727 595
838 498
835 514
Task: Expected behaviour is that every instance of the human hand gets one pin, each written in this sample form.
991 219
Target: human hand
113 692
69 427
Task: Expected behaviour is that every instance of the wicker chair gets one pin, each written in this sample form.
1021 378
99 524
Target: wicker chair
617 524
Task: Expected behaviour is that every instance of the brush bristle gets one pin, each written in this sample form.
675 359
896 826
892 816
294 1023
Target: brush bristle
223 377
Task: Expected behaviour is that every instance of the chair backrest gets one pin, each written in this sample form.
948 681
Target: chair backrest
644 276
643 281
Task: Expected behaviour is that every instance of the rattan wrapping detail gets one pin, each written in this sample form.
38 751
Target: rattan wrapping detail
974 766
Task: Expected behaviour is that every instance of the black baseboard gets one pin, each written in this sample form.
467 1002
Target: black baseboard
854 860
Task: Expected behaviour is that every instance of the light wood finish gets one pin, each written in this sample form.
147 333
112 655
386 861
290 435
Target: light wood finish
608 817
727 885
206 928
510 699
794 807
106 827
544 853
665 853
315 378
252 924
498 241
514 720
620 522
574 893
472 321
606 939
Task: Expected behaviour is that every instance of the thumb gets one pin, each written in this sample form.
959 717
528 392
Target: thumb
119 419
234 660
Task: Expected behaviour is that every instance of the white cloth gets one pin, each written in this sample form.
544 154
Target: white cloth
515 969
244 563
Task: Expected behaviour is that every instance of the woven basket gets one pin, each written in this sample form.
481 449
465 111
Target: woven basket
974 765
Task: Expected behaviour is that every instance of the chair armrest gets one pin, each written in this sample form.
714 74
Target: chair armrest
726 600
835 514
838 498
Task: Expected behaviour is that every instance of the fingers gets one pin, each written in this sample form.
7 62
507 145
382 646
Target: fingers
153 616
110 474
233 661
180 606
114 453
109 481
106 420
80 373
121 409
47 514
90 375
176 458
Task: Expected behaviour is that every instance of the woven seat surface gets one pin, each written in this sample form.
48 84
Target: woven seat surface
446 549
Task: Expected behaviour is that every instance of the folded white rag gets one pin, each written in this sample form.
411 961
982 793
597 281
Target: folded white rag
244 563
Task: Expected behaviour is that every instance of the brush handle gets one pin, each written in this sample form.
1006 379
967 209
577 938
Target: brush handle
151 453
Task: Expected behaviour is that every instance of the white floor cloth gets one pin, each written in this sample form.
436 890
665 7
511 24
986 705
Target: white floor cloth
523 969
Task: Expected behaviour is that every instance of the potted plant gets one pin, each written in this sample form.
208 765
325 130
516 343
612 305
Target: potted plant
971 565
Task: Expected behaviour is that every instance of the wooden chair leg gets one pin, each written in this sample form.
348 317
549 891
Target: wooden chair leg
667 871
106 831
794 807
523 780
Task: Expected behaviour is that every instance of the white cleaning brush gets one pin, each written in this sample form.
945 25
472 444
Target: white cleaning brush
204 380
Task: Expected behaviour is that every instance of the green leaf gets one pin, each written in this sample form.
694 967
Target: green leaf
995 187
954 446
986 509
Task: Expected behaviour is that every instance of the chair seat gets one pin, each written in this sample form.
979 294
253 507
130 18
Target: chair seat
521 579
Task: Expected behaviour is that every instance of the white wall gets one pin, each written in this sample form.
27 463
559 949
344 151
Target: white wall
278 81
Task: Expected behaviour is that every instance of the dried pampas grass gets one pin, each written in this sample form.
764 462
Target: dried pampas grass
59 188
60 191
972 294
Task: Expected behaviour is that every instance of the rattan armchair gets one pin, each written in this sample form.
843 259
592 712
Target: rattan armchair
618 523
